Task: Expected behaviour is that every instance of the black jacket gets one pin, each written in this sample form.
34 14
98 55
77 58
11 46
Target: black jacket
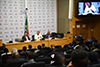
24 38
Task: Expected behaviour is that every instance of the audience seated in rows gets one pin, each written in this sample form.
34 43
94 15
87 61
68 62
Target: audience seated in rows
79 55
15 56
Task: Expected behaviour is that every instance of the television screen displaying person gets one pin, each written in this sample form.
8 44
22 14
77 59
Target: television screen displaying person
25 37
90 8
48 35
38 36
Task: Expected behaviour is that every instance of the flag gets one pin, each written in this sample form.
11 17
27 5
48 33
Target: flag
26 25
86 4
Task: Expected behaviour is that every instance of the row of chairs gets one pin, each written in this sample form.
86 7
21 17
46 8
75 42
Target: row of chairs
39 63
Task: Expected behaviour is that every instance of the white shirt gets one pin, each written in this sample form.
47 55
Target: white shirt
26 38
90 9
38 37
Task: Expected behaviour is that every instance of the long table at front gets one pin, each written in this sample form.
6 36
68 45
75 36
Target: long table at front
34 44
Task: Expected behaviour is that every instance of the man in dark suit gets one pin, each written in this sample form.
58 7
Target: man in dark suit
25 37
48 35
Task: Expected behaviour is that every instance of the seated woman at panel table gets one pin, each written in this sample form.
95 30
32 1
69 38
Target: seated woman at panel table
38 36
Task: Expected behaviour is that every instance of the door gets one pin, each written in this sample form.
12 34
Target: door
81 29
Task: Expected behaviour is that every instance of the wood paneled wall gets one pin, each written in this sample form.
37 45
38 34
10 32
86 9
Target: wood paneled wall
93 24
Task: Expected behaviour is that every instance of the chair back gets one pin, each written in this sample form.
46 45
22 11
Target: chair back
95 65
5 56
44 59
17 63
38 64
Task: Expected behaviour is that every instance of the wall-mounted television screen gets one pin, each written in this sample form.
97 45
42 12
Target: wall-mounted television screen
88 8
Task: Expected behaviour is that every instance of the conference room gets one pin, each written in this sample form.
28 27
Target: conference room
50 31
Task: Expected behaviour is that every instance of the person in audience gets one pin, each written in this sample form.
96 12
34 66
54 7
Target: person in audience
25 37
3 44
93 57
23 53
53 51
78 47
6 51
24 49
30 58
53 48
92 43
92 40
69 49
43 46
38 36
48 35
95 46
39 48
30 47
15 56
79 58
59 59
41 54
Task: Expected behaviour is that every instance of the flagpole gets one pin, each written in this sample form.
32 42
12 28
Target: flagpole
26 21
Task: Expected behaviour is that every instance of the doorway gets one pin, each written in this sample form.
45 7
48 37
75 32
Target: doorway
81 29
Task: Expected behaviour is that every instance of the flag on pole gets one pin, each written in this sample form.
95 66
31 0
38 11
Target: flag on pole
86 4
26 25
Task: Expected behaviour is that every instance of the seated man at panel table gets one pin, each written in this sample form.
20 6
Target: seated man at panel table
38 36
25 37
48 35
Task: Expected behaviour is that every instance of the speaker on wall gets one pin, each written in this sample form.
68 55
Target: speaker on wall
70 9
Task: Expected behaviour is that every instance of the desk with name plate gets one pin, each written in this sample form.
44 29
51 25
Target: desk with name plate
47 42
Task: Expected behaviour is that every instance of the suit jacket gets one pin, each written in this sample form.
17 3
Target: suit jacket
24 38
49 35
